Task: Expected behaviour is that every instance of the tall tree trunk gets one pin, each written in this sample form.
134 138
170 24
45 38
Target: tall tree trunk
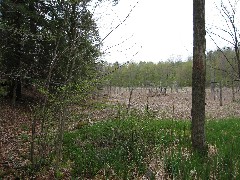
238 58
213 76
233 91
12 55
198 76
15 89
220 94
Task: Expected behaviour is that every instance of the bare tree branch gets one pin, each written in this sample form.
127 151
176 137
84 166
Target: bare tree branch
221 51
220 37
117 44
224 30
223 70
222 14
120 22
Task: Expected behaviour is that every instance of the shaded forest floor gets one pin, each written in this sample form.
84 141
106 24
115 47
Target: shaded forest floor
15 131
16 122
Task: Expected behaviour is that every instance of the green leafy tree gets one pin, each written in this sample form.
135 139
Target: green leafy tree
50 42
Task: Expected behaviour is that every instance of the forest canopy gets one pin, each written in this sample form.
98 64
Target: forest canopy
47 43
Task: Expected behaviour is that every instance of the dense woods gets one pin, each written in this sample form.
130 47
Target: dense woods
47 44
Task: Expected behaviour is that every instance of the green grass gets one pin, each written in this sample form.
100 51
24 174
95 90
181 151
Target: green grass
123 149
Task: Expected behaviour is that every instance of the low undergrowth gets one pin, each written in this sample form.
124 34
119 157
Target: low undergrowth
146 147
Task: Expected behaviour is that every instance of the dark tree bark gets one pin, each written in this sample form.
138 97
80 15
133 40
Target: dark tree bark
220 94
13 55
198 76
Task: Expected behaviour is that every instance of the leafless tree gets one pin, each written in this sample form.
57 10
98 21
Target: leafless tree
230 31
230 35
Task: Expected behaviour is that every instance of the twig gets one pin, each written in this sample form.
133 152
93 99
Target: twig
119 23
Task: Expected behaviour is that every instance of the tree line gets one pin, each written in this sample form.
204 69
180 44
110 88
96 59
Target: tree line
220 66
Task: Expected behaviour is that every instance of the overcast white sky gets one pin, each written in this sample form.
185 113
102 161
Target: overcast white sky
156 30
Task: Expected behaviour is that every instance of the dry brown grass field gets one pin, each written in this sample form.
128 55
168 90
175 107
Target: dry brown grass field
176 104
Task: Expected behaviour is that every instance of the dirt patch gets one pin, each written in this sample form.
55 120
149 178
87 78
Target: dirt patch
177 104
